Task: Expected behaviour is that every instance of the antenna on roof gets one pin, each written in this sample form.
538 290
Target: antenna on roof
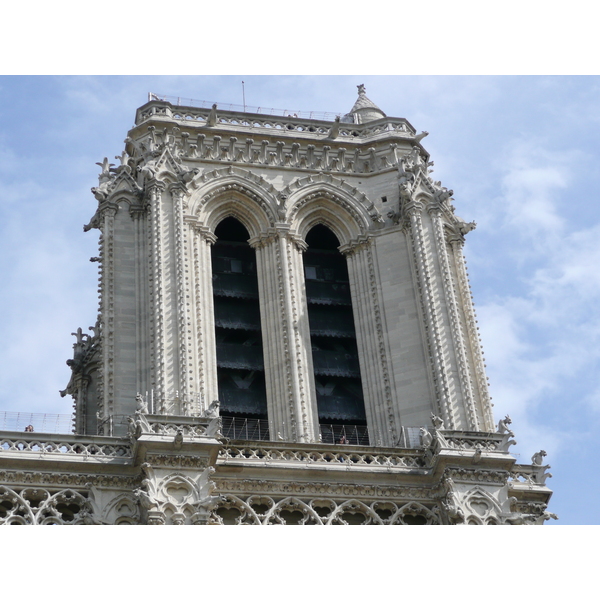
244 96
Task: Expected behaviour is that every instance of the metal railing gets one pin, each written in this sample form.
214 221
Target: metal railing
40 422
238 428
357 435
260 110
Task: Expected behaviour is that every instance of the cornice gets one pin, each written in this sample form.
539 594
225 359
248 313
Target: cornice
245 123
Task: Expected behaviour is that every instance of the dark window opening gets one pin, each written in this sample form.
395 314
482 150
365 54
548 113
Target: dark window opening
240 363
333 336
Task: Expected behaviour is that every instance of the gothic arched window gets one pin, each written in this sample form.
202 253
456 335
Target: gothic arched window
240 363
338 383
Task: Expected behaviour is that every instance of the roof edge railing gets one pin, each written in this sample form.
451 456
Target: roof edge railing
260 110
38 422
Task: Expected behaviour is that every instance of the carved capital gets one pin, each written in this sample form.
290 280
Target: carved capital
154 187
178 189
355 246
138 211
413 207
108 209
434 210
264 239
203 232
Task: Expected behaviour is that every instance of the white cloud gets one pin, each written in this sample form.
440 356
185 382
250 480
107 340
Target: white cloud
545 343
531 190
539 319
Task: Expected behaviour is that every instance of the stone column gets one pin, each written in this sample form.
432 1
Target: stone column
291 398
183 335
107 310
481 391
382 419
465 399
138 214
431 307
156 296
204 367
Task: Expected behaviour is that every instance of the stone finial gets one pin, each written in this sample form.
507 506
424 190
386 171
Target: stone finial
106 166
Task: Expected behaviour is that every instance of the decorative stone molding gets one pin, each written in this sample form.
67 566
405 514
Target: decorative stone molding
155 190
370 330
184 315
472 336
334 489
177 498
36 506
334 457
456 329
428 299
279 151
233 182
98 449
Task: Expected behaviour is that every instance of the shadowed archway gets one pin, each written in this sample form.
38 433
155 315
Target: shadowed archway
240 363
338 383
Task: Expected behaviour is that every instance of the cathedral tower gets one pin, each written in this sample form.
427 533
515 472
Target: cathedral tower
286 332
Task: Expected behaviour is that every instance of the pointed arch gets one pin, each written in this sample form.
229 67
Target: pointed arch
354 507
323 204
414 513
235 193
122 509
291 504
336 200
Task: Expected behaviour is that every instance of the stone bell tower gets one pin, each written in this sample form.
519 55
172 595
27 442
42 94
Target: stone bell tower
286 332
391 295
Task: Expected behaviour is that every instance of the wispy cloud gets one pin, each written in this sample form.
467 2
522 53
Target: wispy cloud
543 333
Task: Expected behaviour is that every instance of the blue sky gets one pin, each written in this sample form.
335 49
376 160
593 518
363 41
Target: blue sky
520 153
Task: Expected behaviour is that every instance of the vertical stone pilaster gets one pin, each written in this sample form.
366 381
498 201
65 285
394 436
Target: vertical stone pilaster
286 337
472 335
306 399
205 367
430 307
382 420
457 333
101 324
275 337
138 214
183 334
107 311
156 284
